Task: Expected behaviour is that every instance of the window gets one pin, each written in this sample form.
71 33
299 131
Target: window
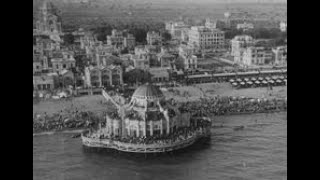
64 66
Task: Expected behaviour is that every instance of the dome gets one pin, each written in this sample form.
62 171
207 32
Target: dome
147 91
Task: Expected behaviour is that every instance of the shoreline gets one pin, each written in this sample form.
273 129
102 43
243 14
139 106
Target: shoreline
67 131
78 131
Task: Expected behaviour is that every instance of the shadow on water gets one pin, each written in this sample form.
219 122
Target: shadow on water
191 151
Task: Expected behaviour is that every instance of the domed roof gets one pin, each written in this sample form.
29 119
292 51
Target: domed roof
147 91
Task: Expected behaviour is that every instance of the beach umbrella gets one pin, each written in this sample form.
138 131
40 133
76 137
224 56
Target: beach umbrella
279 81
231 80
239 80
257 82
281 77
242 83
275 77
246 79
271 81
234 84
260 78
264 82
249 82
253 79
267 78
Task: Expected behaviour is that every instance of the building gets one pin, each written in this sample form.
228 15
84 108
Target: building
116 38
159 75
148 115
283 26
40 63
63 61
166 60
256 56
190 62
141 61
103 76
245 26
280 55
129 42
238 43
48 21
43 82
203 39
178 30
210 24
154 38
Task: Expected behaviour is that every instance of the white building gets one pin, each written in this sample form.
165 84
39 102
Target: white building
280 55
116 38
245 26
283 26
210 24
63 61
140 62
256 56
178 30
239 45
154 38
203 39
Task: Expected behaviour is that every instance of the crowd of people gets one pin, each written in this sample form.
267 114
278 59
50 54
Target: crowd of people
232 105
203 108
178 135
62 120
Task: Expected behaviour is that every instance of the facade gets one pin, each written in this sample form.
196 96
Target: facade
203 39
178 30
190 62
280 55
166 60
159 75
63 61
256 56
43 82
48 21
239 45
141 61
154 38
148 115
116 38
245 26
103 76
40 63
210 24
129 42
283 26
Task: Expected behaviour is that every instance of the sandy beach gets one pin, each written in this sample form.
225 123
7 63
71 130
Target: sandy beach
98 104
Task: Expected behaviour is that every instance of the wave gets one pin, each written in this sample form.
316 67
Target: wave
62 132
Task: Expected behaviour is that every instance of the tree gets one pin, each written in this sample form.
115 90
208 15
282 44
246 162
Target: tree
136 75
68 39
166 36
